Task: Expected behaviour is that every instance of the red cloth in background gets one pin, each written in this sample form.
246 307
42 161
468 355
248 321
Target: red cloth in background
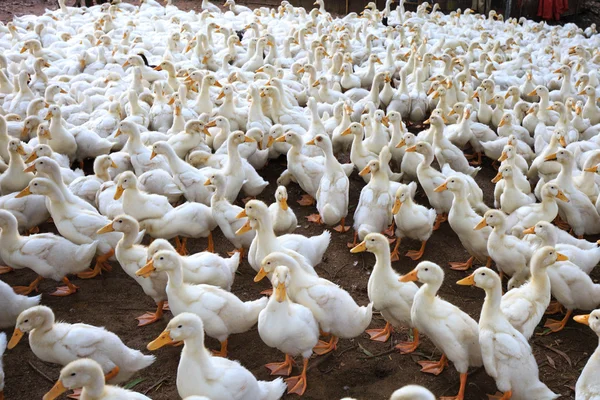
552 9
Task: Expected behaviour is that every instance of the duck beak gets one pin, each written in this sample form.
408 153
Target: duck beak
503 156
218 84
562 142
482 224
21 151
23 50
397 206
468 281
31 168
502 123
401 143
56 391
561 196
221 95
441 188
280 139
126 63
163 340
242 214
171 101
23 193
146 270
105 229
260 275
497 177
365 170
208 182
119 192
153 154
280 292
32 157
582 319
529 231
283 204
244 228
15 339
119 133
312 142
113 165
316 84
592 169
248 139
347 131
359 247
561 257
533 93
411 149
158 68
550 157
410 277
270 141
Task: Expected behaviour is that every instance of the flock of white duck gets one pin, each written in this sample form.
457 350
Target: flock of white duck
179 110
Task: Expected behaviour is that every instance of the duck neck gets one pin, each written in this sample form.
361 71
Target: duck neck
95 388
431 288
491 305
9 233
234 161
129 238
175 277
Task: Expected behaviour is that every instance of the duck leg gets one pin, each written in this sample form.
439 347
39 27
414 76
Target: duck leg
461 391
434 367
395 255
65 290
381 335
297 384
441 218
5 270
240 250
415 255
282 368
316 218
458 266
24 290
181 245
390 230
211 243
101 264
33 230
558 221
557 326
409 347
223 351
477 162
326 347
354 242
149 318
306 200
341 227
555 308
488 262
500 396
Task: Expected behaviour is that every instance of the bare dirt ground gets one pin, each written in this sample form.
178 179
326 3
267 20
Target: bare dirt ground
358 368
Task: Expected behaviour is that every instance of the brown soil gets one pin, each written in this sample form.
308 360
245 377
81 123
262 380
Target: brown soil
359 368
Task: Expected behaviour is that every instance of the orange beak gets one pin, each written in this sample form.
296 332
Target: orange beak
410 277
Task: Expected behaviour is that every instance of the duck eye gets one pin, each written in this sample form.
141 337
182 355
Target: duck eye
483 274
26 321
426 269
162 258
180 326
73 374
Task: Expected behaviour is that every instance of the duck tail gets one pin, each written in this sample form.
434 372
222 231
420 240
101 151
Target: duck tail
365 314
136 360
272 390
86 252
330 215
253 308
2 343
233 262
321 243
541 391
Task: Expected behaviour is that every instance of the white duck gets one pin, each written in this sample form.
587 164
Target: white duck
507 356
201 374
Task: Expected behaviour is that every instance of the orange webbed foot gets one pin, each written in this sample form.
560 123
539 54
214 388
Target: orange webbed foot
306 200
283 368
326 347
380 335
315 218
